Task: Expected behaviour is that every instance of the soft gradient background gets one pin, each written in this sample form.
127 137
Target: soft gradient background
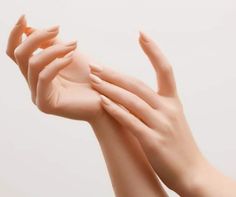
45 156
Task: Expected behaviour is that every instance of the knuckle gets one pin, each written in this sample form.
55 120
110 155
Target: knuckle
18 52
168 128
154 142
9 54
44 109
113 76
173 114
33 62
42 77
137 105
167 69
135 83
128 101
37 33
57 61
46 106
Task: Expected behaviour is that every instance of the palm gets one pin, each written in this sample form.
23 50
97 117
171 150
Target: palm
71 94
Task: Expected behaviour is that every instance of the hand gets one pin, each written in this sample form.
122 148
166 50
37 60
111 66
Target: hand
155 118
57 77
59 85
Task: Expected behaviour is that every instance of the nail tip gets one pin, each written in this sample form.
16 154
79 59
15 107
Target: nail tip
95 67
53 29
143 37
69 55
72 43
21 20
105 100
94 78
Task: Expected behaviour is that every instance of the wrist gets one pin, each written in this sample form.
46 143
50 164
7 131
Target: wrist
104 126
200 182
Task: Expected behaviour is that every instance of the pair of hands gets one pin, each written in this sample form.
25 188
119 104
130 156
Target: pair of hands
62 82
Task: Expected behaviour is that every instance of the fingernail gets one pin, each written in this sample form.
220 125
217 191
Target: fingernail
72 43
144 37
95 68
21 20
29 30
95 78
105 100
69 55
53 29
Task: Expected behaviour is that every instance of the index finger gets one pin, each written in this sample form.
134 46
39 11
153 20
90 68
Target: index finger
29 30
15 37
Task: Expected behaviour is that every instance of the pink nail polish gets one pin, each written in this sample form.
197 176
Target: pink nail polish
105 100
53 29
69 55
95 68
144 37
95 78
21 20
72 43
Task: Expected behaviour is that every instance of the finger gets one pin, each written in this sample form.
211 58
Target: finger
15 37
130 101
126 119
25 50
39 61
29 30
127 82
45 79
166 81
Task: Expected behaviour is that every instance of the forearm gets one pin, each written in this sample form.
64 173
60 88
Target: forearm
129 170
208 182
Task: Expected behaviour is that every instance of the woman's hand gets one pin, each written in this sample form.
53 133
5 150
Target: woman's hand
155 118
59 85
57 76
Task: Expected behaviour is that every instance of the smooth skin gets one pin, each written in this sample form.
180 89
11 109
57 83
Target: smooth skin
58 78
157 120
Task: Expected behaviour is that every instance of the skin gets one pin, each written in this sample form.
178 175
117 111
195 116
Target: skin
58 79
158 122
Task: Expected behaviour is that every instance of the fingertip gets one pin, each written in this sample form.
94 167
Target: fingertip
94 68
143 37
95 79
29 30
105 101
21 20
69 55
72 44
53 29
66 60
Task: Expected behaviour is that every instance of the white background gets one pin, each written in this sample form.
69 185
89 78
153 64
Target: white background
44 156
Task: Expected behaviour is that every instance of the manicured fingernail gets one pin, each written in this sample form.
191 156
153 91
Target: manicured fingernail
21 20
95 68
53 29
144 37
95 78
105 100
29 29
69 55
72 43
